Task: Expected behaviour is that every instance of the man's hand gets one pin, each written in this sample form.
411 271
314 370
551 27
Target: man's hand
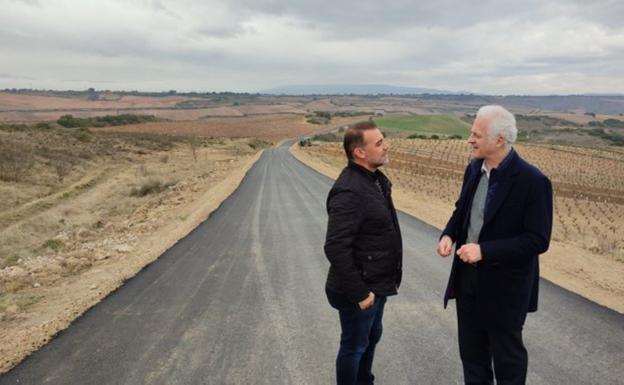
470 253
368 302
445 246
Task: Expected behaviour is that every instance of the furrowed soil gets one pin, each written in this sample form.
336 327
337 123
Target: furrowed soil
586 253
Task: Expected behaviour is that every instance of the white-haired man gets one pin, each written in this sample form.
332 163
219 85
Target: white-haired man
502 221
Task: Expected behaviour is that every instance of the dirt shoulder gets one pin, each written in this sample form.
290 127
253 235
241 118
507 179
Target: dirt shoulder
593 276
105 233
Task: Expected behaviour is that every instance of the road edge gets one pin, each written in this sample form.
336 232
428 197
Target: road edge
41 335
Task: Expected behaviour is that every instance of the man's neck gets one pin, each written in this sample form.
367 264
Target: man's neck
363 164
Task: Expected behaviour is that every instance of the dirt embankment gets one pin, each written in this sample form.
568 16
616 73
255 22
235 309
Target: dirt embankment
69 239
597 277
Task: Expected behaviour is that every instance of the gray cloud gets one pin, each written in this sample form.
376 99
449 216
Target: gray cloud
246 45
397 15
14 77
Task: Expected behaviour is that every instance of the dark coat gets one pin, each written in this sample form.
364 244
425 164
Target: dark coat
516 229
363 241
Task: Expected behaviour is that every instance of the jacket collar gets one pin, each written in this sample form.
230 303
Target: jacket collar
505 164
365 171
501 181
507 167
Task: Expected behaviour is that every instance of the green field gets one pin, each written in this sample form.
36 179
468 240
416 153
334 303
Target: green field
445 125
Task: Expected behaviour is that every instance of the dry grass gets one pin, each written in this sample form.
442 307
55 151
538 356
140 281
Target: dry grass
65 243
268 127
103 181
15 161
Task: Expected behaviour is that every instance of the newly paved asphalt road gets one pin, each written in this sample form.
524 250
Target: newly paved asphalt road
241 301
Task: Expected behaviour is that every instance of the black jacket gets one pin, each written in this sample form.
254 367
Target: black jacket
363 242
516 229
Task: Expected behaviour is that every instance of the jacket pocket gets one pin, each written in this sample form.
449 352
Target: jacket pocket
375 264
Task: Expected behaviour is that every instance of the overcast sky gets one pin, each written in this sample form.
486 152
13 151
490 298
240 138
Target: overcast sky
486 46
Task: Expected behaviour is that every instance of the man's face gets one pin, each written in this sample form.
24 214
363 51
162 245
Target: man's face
483 147
375 149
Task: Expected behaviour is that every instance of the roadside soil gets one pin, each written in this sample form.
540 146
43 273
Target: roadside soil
101 231
594 276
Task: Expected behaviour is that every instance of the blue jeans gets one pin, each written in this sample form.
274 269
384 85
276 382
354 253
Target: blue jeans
361 330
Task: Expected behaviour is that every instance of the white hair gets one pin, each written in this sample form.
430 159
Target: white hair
501 123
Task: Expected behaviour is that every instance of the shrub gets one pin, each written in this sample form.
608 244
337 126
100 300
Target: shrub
193 144
616 140
15 161
614 123
123 119
352 113
102 121
62 166
53 244
70 122
9 261
13 127
43 126
318 117
82 134
150 141
150 187
316 120
323 114
328 137
257 144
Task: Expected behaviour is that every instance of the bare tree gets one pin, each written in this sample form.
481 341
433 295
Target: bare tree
194 143
63 167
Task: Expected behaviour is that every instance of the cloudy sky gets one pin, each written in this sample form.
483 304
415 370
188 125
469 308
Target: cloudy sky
486 46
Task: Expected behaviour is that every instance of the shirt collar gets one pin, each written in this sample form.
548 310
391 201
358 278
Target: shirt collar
485 170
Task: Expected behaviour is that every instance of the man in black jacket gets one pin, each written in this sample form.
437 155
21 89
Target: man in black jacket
363 245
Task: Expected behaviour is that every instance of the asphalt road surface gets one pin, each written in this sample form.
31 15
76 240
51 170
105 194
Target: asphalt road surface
241 300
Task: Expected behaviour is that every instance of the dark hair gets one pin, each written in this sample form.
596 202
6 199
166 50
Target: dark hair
354 136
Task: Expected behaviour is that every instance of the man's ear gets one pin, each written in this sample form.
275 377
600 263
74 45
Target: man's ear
500 141
359 152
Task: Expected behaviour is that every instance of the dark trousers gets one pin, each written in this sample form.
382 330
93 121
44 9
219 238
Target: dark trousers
480 347
361 331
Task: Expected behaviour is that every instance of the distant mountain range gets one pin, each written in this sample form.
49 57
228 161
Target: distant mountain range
597 103
353 89
609 104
